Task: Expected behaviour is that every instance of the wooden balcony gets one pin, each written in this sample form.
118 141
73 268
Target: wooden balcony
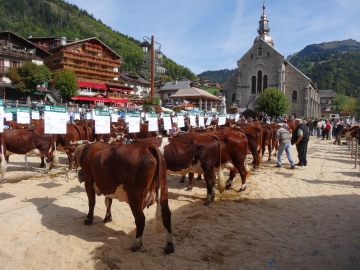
16 53
117 95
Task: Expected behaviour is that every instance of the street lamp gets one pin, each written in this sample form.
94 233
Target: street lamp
152 60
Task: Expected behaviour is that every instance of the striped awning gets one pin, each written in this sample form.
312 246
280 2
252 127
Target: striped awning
97 99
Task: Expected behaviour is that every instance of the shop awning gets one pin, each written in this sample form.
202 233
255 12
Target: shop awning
99 86
85 84
119 89
96 99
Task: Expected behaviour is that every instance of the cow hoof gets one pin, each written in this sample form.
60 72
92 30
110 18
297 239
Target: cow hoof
169 248
228 186
135 247
242 189
42 166
188 188
182 180
88 221
206 203
107 220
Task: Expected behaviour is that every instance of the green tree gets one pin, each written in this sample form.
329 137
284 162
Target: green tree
357 108
66 83
350 106
273 102
26 78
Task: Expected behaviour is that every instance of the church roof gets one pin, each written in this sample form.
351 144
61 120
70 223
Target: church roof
264 29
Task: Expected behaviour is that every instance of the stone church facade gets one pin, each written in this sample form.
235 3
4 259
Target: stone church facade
262 67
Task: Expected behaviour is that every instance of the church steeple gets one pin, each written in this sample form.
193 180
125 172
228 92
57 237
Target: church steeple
264 29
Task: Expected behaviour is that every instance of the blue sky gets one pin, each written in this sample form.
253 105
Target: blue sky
212 34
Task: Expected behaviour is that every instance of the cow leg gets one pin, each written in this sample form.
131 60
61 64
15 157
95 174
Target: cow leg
108 217
191 181
209 175
231 181
92 200
42 164
182 180
139 221
199 177
70 158
269 149
166 220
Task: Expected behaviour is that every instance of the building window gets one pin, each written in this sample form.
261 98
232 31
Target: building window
14 64
233 98
294 96
252 56
260 51
253 85
268 54
265 82
259 81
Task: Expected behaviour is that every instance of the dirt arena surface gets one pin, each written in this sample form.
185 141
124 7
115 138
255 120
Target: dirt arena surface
307 218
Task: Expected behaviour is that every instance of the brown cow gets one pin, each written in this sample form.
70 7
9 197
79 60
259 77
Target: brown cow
133 173
255 137
192 153
234 148
22 141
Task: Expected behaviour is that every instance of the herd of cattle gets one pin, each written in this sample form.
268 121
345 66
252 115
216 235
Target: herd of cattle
133 167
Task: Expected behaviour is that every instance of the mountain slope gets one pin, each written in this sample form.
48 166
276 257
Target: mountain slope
58 18
217 76
332 65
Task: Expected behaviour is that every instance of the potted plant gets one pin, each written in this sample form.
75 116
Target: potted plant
176 109
234 109
152 104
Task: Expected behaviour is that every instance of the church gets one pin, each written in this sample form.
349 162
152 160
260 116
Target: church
262 67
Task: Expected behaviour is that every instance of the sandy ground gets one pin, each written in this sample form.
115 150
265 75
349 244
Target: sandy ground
307 218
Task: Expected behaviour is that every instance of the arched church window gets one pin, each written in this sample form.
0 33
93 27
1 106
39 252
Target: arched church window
253 85
294 95
268 54
252 56
260 51
265 82
233 98
259 81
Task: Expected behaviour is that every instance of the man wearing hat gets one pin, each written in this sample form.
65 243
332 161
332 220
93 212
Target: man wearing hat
300 138
284 137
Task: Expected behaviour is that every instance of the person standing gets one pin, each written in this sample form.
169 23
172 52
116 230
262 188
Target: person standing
338 130
318 128
300 138
71 117
326 130
284 137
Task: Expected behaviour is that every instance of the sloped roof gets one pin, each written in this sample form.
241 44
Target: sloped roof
194 93
176 85
327 93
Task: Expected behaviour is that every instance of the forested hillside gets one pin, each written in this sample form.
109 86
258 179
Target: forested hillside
333 65
58 18
217 76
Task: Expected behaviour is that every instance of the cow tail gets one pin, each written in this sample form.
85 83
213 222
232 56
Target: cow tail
158 217
56 157
3 162
221 178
